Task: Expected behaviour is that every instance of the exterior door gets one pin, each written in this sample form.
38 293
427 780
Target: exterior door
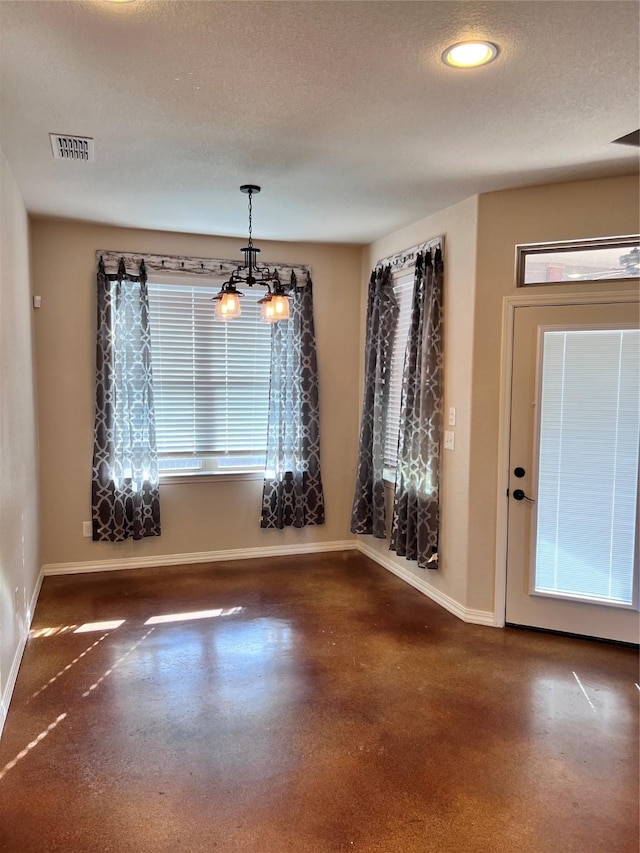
572 563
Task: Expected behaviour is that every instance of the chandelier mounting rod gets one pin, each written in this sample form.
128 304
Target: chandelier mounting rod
275 304
250 189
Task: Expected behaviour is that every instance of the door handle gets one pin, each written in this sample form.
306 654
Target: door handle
519 495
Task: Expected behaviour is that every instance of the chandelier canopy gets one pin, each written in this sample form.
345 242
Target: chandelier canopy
275 303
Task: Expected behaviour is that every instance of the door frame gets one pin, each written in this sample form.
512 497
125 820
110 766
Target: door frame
509 305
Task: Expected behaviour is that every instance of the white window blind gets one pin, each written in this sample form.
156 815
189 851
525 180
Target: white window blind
403 290
588 465
211 379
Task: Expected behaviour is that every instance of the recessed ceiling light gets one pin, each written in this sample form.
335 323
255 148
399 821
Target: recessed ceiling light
470 54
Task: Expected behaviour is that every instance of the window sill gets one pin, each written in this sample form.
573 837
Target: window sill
209 477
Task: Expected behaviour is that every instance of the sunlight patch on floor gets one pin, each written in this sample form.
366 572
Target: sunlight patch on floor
23 753
110 625
108 672
37 633
67 667
194 614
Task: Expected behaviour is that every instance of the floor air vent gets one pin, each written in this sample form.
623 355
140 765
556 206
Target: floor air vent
71 147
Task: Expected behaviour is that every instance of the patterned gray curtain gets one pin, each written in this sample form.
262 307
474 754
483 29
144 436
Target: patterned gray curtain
416 506
368 512
125 493
292 493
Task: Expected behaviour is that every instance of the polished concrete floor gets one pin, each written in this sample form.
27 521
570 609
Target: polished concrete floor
308 704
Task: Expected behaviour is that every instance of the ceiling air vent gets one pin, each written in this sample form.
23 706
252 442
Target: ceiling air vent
71 147
632 138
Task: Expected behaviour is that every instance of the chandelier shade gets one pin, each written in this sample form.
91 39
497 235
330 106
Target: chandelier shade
228 302
275 303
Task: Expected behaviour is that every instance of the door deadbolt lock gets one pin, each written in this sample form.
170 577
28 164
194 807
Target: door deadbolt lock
519 472
519 495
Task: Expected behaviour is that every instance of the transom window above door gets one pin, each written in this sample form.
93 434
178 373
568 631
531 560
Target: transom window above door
605 259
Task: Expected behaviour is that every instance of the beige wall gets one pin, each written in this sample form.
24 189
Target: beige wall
458 224
19 560
536 214
201 516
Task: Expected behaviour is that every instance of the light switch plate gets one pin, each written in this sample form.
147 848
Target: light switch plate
87 529
452 416
449 440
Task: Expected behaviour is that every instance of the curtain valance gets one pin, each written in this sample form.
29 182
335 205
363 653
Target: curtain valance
209 267
406 259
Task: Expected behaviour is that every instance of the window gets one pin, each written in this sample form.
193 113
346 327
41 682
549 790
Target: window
211 381
603 260
403 290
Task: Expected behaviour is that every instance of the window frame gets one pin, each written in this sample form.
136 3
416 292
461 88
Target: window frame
210 470
525 250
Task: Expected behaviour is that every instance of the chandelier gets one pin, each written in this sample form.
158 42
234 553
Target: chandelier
275 303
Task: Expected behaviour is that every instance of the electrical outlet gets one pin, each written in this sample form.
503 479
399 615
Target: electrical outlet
87 529
449 440
452 416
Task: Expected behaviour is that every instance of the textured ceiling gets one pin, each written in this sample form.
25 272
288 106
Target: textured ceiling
342 111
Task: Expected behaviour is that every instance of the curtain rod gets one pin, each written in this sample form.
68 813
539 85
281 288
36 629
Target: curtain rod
216 267
407 257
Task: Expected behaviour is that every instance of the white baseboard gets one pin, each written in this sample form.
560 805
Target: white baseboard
17 658
197 557
476 617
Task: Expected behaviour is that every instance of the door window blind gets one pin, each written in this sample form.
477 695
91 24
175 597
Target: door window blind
211 378
403 290
588 465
